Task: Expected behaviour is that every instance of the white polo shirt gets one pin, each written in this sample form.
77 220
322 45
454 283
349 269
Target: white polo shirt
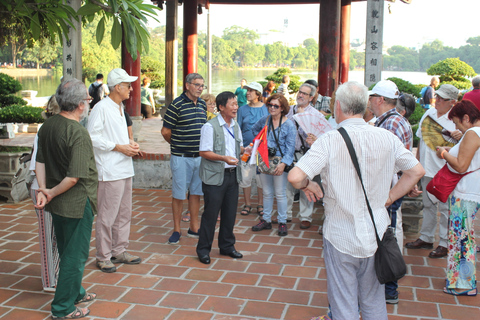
107 128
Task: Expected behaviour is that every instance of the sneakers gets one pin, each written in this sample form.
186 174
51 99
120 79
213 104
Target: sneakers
174 238
106 266
126 258
282 230
262 225
391 299
192 234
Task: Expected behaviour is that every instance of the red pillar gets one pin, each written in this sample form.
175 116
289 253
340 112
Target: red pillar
328 62
132 105
190 38
345 40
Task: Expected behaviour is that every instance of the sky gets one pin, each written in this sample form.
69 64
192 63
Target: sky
409 25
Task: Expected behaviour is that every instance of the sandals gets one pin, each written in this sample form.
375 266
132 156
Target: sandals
465 292
89 297
245 211
76 314
260 210
186 217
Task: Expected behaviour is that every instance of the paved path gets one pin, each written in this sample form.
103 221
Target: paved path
278 278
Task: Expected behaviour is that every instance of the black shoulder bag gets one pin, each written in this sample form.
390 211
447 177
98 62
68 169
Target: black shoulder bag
389 263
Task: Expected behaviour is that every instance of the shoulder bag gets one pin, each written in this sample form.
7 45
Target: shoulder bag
389 262
273 161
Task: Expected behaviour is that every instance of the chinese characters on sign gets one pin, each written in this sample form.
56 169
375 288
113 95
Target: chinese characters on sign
72 47
374 42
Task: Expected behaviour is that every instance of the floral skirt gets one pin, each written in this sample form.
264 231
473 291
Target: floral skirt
461 246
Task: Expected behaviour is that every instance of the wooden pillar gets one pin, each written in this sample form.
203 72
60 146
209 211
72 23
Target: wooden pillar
190 38
132 105
328 61
345 40
171 50
72 48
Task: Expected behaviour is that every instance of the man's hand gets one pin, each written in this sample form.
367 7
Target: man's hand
313 191
311 138
135 144
41 200
414 192
127 149
231 160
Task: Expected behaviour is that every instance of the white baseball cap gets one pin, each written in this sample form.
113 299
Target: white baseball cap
255 86
119 75
385 88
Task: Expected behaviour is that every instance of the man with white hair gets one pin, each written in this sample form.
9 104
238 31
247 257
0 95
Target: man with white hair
113 154
349 235
445 98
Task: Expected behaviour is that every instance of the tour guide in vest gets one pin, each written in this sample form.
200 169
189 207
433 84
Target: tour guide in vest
182 123
221 144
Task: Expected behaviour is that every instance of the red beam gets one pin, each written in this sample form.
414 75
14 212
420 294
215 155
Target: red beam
132 105
328 62
345 40
190 37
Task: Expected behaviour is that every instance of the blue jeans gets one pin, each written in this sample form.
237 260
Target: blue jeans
274 186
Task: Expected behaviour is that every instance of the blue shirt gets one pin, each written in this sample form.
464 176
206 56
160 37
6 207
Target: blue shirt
246 118
286 138
185 119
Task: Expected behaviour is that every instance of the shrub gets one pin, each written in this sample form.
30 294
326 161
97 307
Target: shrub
8 85
406 86
453 71
416 115
21 114
277 77
11 99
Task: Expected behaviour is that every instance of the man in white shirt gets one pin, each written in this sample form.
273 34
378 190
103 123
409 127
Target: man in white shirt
445 98
305 95
349 236
113 155
221 144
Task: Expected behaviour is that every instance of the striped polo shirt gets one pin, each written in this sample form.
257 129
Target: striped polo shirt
185 119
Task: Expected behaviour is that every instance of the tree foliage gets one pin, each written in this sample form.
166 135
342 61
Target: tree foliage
453 71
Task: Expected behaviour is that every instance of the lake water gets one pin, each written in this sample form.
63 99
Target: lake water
224 80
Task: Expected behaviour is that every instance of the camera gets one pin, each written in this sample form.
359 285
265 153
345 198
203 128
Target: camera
272 152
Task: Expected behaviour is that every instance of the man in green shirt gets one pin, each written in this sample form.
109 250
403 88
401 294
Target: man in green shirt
67 179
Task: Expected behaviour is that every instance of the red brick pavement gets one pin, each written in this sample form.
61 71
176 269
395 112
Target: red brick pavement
278 278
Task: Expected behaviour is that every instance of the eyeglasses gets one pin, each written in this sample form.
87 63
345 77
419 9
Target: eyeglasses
401 97
89 99
303 93
273 106
129 86
437 97
198 86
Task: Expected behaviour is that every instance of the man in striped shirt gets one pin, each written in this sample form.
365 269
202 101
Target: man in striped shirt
182 123
349 236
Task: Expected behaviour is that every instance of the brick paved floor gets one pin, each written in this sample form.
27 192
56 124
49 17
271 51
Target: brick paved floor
278 278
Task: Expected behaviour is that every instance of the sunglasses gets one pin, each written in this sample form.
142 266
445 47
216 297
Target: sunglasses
273 106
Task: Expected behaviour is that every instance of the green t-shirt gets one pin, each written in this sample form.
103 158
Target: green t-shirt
65 147
145 96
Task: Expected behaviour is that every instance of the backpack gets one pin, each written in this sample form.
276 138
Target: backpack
422 94
96 92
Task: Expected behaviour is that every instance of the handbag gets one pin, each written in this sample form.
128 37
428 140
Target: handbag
444 182
22 180
275 160
389 263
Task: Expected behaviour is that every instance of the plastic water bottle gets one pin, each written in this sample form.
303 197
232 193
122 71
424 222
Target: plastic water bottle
246 153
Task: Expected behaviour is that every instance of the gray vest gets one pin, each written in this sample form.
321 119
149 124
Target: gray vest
212 172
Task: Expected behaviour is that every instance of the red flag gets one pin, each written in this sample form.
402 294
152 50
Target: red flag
263 146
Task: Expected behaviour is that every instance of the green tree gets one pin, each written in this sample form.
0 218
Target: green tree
453 71
42 53
238 39
474 41
222 53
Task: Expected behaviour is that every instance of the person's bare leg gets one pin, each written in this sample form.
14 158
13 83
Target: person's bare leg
194 207
177 208
247 193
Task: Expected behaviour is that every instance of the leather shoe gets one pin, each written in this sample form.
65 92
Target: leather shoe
439 252
205 258
233 254
419 244
305 225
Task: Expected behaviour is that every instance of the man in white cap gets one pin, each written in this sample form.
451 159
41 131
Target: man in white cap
113 155
445 98
382 102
